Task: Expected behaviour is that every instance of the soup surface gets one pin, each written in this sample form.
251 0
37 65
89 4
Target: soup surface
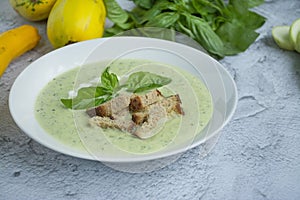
72 127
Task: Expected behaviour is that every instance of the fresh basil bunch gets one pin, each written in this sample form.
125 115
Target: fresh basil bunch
221 28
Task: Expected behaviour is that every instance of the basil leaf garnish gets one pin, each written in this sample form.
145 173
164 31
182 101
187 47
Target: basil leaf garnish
109 80
143 81
88 97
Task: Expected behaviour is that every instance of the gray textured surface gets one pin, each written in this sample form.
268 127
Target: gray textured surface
257 155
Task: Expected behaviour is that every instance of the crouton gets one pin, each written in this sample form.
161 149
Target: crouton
106 122
140 102
155 121
111 108
140 115
172 104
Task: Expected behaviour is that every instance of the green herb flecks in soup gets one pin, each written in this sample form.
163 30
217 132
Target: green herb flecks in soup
72 127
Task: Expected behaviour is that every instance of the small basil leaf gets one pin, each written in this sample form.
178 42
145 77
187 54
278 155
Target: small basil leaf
142 81
221 3
140 15
147 4
67 103
87 97
205 35
88 103
83 104
114 30
254 3
163 20
92 92
115 12
205 7
147 87
80 104
109 80
248 3
153 32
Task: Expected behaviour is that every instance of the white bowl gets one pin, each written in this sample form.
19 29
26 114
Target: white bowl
32 80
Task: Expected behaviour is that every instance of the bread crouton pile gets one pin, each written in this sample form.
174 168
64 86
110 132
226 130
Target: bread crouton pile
140 115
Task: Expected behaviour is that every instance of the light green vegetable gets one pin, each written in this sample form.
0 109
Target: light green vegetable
88 97
297 45
282 38
221 28
294 31
288 37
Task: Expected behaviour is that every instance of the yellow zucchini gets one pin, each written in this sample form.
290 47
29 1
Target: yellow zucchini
33 10
15 42
73 21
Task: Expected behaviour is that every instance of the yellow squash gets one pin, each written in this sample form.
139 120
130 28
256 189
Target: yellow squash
72 21
15 42
33 10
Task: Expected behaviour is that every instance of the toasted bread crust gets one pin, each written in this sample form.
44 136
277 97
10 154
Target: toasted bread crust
137 114
140 102
173 104
106 122
156 120
139 117
110 108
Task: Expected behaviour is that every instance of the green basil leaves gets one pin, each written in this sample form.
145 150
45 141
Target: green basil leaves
143 81
221 27
88 97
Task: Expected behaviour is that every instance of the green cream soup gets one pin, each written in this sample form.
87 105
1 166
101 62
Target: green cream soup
72 127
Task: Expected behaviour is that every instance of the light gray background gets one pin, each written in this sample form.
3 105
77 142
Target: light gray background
257 155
